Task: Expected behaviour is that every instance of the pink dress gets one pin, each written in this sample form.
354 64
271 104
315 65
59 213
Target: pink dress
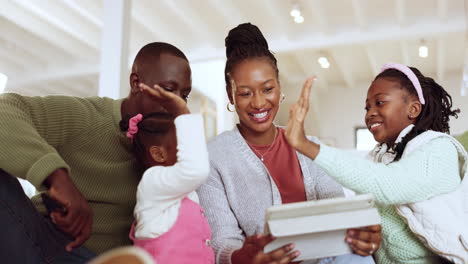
187 241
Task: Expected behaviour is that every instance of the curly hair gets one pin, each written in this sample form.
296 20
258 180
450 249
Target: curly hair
152 130
436 111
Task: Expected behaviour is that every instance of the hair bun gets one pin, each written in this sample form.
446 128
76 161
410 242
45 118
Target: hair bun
244 35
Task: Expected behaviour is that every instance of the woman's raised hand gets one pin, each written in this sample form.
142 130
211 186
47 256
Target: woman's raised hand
295 128
173 103
252 252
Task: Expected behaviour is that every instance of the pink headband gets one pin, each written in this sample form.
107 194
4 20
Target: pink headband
133 125
410 74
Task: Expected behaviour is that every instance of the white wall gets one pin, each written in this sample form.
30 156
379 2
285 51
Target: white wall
340 109
208 78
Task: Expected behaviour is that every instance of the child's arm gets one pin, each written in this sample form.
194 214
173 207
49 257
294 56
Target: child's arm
33 128
428 171
192 167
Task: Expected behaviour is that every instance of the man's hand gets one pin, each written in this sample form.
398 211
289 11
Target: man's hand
252 252
365 241
77 218
170 101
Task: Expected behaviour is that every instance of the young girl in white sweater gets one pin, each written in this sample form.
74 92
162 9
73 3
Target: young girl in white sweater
169 222
415 160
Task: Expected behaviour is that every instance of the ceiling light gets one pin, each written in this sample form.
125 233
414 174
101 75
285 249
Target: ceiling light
295 11
423 50
3 82
324 63
299 19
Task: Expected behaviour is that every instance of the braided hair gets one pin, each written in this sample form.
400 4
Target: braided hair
245 42
152 130
436 111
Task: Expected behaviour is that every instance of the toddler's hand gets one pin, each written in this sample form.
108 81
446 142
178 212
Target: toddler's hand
170 101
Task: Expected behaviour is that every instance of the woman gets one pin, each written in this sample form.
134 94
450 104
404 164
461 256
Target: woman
253 167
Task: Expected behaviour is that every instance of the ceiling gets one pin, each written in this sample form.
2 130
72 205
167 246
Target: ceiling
53 46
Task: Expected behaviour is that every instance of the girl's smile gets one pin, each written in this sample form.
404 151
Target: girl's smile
389 109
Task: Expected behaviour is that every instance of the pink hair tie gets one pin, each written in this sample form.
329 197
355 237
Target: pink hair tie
133 125
410 74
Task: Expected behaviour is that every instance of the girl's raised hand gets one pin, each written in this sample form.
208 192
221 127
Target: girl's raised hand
173 103
295 128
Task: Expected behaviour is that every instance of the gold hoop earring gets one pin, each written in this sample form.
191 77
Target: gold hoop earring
282 98
227 107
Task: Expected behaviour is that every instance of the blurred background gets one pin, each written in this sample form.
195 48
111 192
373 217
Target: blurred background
86 47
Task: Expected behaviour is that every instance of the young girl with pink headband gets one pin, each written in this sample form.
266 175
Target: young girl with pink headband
415 172
169 222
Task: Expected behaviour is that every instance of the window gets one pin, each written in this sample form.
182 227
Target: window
3 82
364 139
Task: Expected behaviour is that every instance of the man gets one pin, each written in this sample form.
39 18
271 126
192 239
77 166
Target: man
73 149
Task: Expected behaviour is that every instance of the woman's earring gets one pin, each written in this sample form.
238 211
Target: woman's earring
282 98
227 106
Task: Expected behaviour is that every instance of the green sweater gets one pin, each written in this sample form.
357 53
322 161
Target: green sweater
41 134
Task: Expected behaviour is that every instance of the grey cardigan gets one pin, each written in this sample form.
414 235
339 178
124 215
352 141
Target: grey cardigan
240 189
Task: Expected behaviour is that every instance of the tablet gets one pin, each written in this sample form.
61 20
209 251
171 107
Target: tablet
318 228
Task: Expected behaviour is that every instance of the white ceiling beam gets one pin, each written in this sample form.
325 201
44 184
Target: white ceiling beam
405 53
317 10
11 69
231 13
352 36
83 12
23 40
440 60
19 13
359 14
340 65
400 12
19 58
442 9
59 16
63 17
147 19
192 21
372 60
280 14
310 67
55 74
345 38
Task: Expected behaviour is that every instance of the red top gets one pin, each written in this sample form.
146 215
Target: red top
283 165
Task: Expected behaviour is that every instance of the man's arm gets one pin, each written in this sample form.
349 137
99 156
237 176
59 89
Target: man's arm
32 128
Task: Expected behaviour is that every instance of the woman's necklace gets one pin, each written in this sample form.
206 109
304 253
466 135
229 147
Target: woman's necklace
262 156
